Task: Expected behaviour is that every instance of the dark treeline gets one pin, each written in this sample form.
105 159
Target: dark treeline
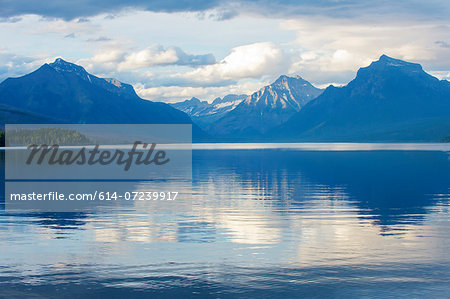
47 136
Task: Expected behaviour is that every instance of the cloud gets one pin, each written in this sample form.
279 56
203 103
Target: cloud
323 41
227 8
12 65
103 62
178 93
442 43
83 20
87 8
99 39
157 55
219 14
254 61
249 61
10 20
329 50
120 60
58 26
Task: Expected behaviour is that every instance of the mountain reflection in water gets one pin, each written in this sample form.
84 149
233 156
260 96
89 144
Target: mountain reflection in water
260 222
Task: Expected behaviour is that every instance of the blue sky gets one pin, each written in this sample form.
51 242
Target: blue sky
173 50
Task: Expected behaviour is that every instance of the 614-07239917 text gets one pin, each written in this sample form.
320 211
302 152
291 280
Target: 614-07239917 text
97 195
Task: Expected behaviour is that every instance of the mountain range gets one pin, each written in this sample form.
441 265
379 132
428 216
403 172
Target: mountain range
204 113
267 108
389 100
63 92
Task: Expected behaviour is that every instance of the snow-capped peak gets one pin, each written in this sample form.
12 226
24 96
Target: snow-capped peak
60 65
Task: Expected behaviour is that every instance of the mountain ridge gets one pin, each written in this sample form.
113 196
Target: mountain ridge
266 108
388 100
65 91
204 113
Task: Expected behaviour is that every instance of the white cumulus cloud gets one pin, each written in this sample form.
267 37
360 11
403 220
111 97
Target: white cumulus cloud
248 61
157 55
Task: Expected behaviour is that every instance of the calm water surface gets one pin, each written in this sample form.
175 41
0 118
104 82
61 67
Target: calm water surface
261 222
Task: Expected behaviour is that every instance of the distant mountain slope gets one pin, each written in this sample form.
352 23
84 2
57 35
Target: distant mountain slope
192 107
10 115
66 92
266 108
390 100
204 113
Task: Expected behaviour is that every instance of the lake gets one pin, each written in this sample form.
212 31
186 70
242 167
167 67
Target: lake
316 221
